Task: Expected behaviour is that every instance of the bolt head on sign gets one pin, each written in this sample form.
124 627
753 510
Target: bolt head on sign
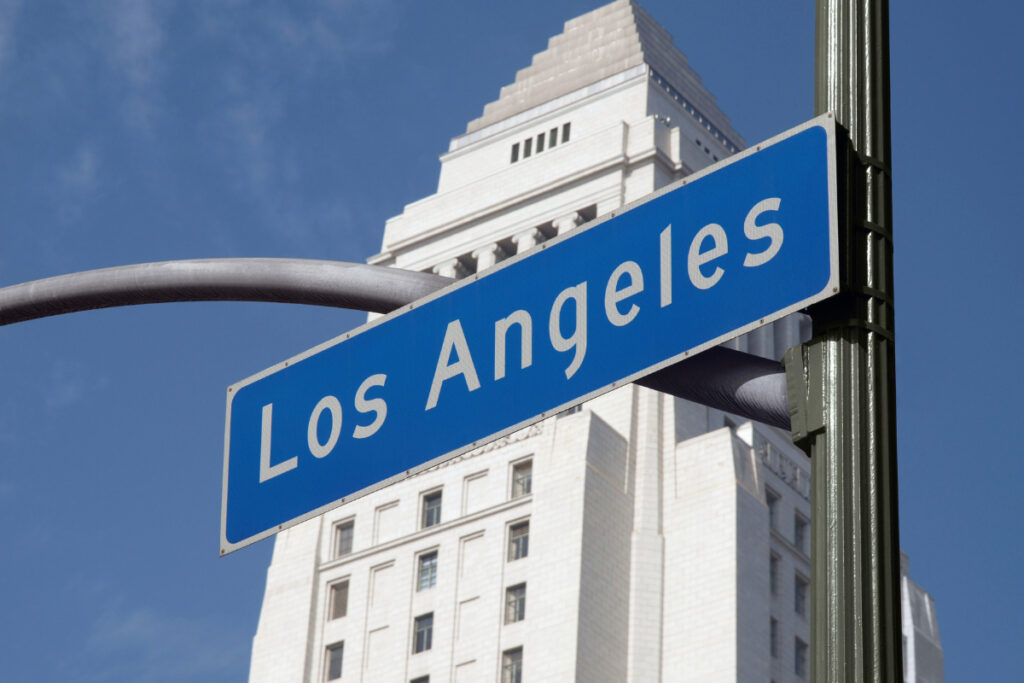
713 256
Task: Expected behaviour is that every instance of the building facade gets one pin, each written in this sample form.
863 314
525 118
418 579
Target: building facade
638 537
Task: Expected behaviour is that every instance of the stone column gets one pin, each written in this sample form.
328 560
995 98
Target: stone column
487 256
567 223
527 239
452 268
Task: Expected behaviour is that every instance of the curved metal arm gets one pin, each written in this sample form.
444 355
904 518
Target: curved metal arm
732 381
294 281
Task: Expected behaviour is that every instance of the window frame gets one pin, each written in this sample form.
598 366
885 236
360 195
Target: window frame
427 642
773 501
513 553
801 594
517 491
420 563
332 590
425 499
800 658
515 603
512 657
340 527
774 562
801 529
329 661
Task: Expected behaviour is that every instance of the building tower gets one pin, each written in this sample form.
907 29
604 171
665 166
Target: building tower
637 538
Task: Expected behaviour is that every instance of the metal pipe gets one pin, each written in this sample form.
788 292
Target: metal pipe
295 281
728 380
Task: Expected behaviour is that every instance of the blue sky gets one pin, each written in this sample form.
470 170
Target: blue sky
139 131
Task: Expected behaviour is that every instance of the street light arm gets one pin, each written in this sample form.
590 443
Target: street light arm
728 380
296 281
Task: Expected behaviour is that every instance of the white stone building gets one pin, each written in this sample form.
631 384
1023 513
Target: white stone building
638 538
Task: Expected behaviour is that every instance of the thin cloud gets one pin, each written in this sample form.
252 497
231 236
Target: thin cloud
143 645
70 383
292 44
78 181
8 18
137 39
134 47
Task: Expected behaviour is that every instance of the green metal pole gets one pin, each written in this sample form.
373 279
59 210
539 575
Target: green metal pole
842 383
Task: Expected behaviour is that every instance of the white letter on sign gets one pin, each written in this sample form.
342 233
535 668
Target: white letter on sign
525 322
268 471
753 231
696 258
315 447
579 335
613 295
377 405
454 338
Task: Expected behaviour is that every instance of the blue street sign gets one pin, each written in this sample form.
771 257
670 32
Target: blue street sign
708 258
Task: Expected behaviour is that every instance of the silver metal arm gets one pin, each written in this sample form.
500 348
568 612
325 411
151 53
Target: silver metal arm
294 281
729 380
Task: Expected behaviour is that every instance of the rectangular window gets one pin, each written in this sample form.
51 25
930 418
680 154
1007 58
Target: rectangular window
518 541
512 666
339 599
800 532
515 603
423 634
772 499
773 573
522 479
421 679
800 595
552 137
773 643
800 659
335 654
565 132
343 538
515 152
527 147
431 510
540 143
426 577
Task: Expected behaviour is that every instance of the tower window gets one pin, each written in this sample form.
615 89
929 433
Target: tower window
424 633
512 666
343 538
522 479
515 603
515 152
800 659
540 143
772 499
339 600
773 573
518 541
800 532
800 595
431 510
335 657
427 574
552 137
565 132
527 147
